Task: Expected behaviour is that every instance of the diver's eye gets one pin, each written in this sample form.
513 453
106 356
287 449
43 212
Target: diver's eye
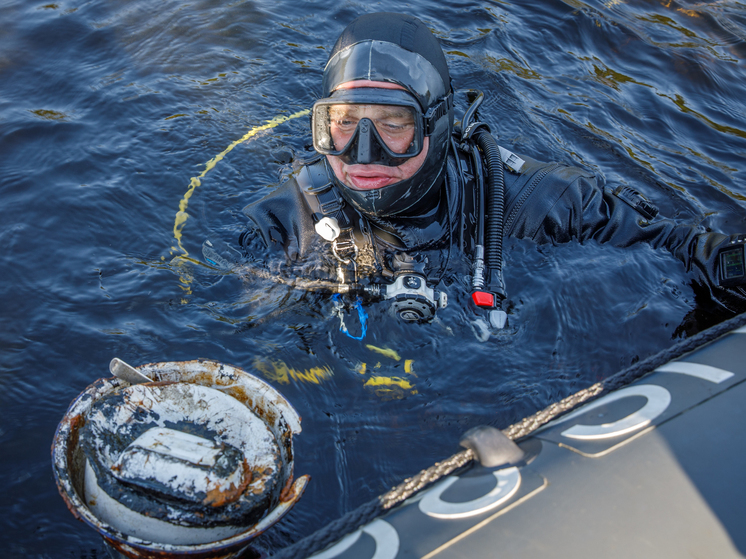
345 124
395 127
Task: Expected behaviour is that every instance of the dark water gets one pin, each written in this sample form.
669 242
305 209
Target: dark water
109 109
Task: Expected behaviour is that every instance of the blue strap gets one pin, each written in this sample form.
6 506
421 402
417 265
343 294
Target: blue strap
362 315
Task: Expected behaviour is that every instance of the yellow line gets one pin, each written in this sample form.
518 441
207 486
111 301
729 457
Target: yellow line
389 381
384 351
182 215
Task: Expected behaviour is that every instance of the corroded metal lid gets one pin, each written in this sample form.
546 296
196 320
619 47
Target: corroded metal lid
179 452
186 467
195 463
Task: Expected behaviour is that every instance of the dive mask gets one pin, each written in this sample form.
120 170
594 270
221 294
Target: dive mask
372 126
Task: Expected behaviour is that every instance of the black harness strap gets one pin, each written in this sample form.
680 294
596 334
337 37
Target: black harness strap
322 199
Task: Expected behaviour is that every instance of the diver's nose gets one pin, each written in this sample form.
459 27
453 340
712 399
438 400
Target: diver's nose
364 155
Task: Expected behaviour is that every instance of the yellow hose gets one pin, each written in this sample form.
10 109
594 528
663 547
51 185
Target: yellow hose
182 215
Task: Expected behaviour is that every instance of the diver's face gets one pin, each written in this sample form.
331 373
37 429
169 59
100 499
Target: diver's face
394 125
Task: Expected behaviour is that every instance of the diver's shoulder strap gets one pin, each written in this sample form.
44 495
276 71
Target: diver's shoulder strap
320 195
328 212
324 200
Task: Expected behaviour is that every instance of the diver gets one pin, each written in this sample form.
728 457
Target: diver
399 202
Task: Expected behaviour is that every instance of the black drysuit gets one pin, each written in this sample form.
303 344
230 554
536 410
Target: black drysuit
546 202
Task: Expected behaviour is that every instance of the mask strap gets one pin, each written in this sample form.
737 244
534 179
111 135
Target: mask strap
434 114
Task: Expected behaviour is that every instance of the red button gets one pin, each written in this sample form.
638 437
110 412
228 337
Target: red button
483 299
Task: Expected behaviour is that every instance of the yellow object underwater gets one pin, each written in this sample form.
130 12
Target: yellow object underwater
390 388
386 352
278 371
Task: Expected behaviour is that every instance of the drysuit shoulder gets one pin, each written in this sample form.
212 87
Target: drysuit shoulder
531 195
282 220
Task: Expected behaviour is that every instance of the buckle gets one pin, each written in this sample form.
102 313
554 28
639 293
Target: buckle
434 114
344 247
331 206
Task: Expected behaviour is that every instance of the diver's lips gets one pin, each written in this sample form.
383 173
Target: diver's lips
370 180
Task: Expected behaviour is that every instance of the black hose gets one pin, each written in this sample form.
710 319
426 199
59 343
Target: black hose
461 194
481 194
495 210
475 98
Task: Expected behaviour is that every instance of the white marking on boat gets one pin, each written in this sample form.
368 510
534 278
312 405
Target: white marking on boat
658 399
508 482
705 372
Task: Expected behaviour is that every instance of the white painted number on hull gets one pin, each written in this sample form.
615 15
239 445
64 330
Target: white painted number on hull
508 482
386 537
705 372
657 397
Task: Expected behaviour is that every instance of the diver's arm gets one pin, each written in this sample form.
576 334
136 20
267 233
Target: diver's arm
585 210
282 221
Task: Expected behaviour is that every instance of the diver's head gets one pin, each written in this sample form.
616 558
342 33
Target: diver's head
387 115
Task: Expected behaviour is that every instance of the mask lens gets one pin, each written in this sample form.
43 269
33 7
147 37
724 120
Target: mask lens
368 133
395 125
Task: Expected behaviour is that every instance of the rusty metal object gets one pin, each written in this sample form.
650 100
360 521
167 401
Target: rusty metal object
70 462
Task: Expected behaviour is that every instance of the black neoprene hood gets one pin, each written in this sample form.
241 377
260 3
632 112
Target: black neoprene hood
379 32
399 49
